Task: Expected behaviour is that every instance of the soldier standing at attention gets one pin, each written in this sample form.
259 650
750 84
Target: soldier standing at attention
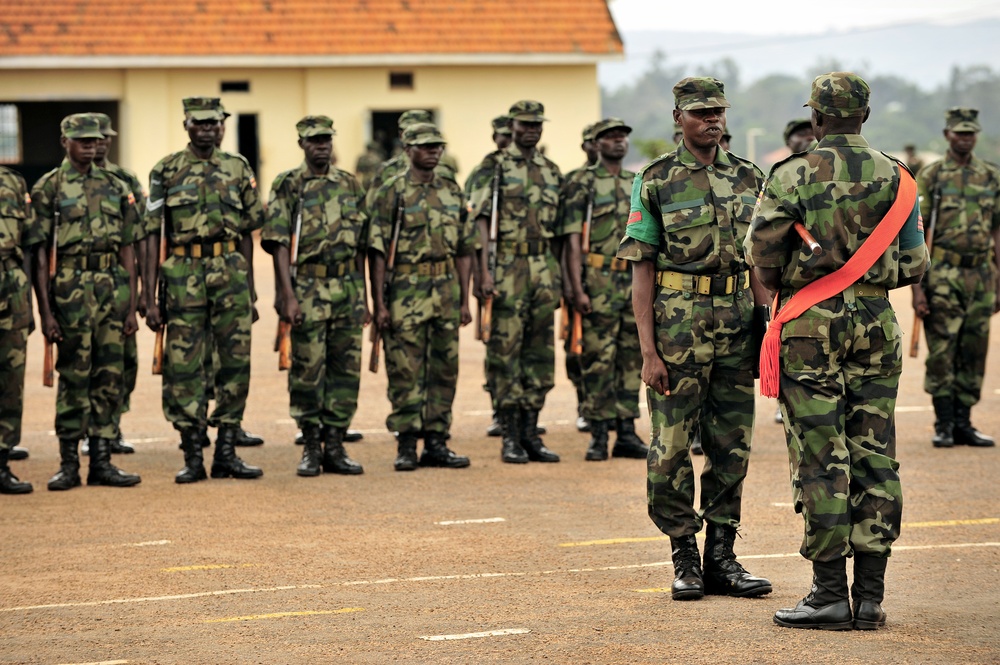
19 232
693 303
88 309
601 287
208 204
841 358
520 354
424 215
326 301
959 292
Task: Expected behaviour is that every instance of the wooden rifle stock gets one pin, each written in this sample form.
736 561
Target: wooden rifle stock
576 334
283 340
929 238
486 320
162 294
48 362
390 270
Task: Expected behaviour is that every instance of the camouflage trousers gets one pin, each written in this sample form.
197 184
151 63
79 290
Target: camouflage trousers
421 353
612 360
208 306
520 356
131 366
15 315
325 375
840 367
705 343
958 330
90 308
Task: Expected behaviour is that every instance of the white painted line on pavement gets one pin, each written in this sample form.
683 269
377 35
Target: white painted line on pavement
487 520
913 409
283 615
469 636
148 543
153 439
783 505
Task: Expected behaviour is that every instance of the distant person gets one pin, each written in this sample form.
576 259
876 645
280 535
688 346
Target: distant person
799 135
912 159
725 139
368 163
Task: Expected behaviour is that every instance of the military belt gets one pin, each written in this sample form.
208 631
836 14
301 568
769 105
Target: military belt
868 291
958 259
88 261
706 285
612 262
426 268
207 249
323 270
526 248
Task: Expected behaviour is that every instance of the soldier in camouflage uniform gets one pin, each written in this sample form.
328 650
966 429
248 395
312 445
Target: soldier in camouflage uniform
326 301
601 291
841 359
520 355
428 297
19 232
959 292
207 203
693 306
369 163
799 135
89 308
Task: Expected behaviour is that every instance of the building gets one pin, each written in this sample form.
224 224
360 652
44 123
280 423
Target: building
273 61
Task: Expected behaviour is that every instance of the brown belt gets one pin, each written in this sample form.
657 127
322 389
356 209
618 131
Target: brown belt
526 248
323 270
88 261
958 259
706 285
199 250
426 268
612 262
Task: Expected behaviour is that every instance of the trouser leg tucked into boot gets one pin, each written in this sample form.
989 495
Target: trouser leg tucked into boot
312 452
826 607
226 463
628 444
598 449
724 576
531 442
688 583
335 459
194 460
944 422
965 434
9 483
436 453
102 471
867 591
119 446
406 451
68 475
511 451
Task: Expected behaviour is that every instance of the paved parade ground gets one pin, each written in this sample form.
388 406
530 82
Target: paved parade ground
497 563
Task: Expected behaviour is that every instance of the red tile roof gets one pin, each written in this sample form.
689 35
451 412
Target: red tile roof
305 27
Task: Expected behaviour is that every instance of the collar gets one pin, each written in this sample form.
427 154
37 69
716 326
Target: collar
514 151
601 171
213 158
70 174
331 173
843 141
975 164
687 158
436 182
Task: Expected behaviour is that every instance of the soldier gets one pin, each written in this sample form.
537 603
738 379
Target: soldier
424 216
691 292
368 163
326 301
19 233
601 286
799 135
90 218
912 159
840 360
725 139
207 204
520 354
959 292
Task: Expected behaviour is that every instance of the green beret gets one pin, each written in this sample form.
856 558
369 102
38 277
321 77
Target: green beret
81 126
840 94
315 125
202 108
501 124
528 111
700 92
412 116
795 125
422 133
959 119
607 125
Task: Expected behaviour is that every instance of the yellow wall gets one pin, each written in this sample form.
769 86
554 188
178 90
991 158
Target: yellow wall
465 99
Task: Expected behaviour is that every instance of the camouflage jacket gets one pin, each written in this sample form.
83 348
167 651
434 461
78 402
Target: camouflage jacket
481 176
132 182
970 203
840 191
529 194
334 229
98 213
611 196
398 164
19 229
436 225
203 199
691 217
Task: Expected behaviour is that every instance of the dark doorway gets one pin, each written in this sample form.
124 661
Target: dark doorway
247 141
385 130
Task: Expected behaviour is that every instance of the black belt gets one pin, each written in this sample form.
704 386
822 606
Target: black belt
426 268
323 270
958 259
525 248
205 248
87 261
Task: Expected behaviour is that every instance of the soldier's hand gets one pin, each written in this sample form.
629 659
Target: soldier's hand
654 375
291 312
51 329
382 318
920 306
487 286
153 320
465 314
140 307
582 304
367 319
131 324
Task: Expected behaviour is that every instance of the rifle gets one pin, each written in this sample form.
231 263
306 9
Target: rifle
48 360
390 270
929 238
161 295
283 343
576 337
486 319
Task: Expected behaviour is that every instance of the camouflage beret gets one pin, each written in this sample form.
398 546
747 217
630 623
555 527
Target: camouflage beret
501 124
608 124
315 125
104 121
422 133
959 119
81 126
202 108
700 92
588 132
224 112
794 126
528 111
840 94
412 116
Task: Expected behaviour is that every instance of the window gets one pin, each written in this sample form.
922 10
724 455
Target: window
234 86
10 134
401 80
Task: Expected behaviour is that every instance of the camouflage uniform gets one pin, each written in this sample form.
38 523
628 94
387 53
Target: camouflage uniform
368 164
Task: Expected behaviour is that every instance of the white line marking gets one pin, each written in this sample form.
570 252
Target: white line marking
468 636
783 505
154 439
487 520
148 543
154 599
913 409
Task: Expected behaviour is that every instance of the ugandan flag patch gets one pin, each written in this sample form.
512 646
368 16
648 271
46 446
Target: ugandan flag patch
253 182
634 216
920 222
131 199
27 199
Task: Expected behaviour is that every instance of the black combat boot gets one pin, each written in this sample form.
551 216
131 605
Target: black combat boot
688 581
965 433
226 463
68 475
335 459
246 439
194 460
9 483
495 428
121 447
353 436
436 453
944 423
826 607
102 471
312 451
18 454
406 451
867 591
628 444
724 576
531 442
598 449
511 451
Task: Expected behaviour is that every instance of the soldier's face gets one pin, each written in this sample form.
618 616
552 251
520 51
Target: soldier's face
961 143
101 149
702 128
501 140
202 133
220 133
425 156
799 140
613 144
590 149
80 151
526 134
318 150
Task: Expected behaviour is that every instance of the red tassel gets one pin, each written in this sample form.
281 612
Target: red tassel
770 361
